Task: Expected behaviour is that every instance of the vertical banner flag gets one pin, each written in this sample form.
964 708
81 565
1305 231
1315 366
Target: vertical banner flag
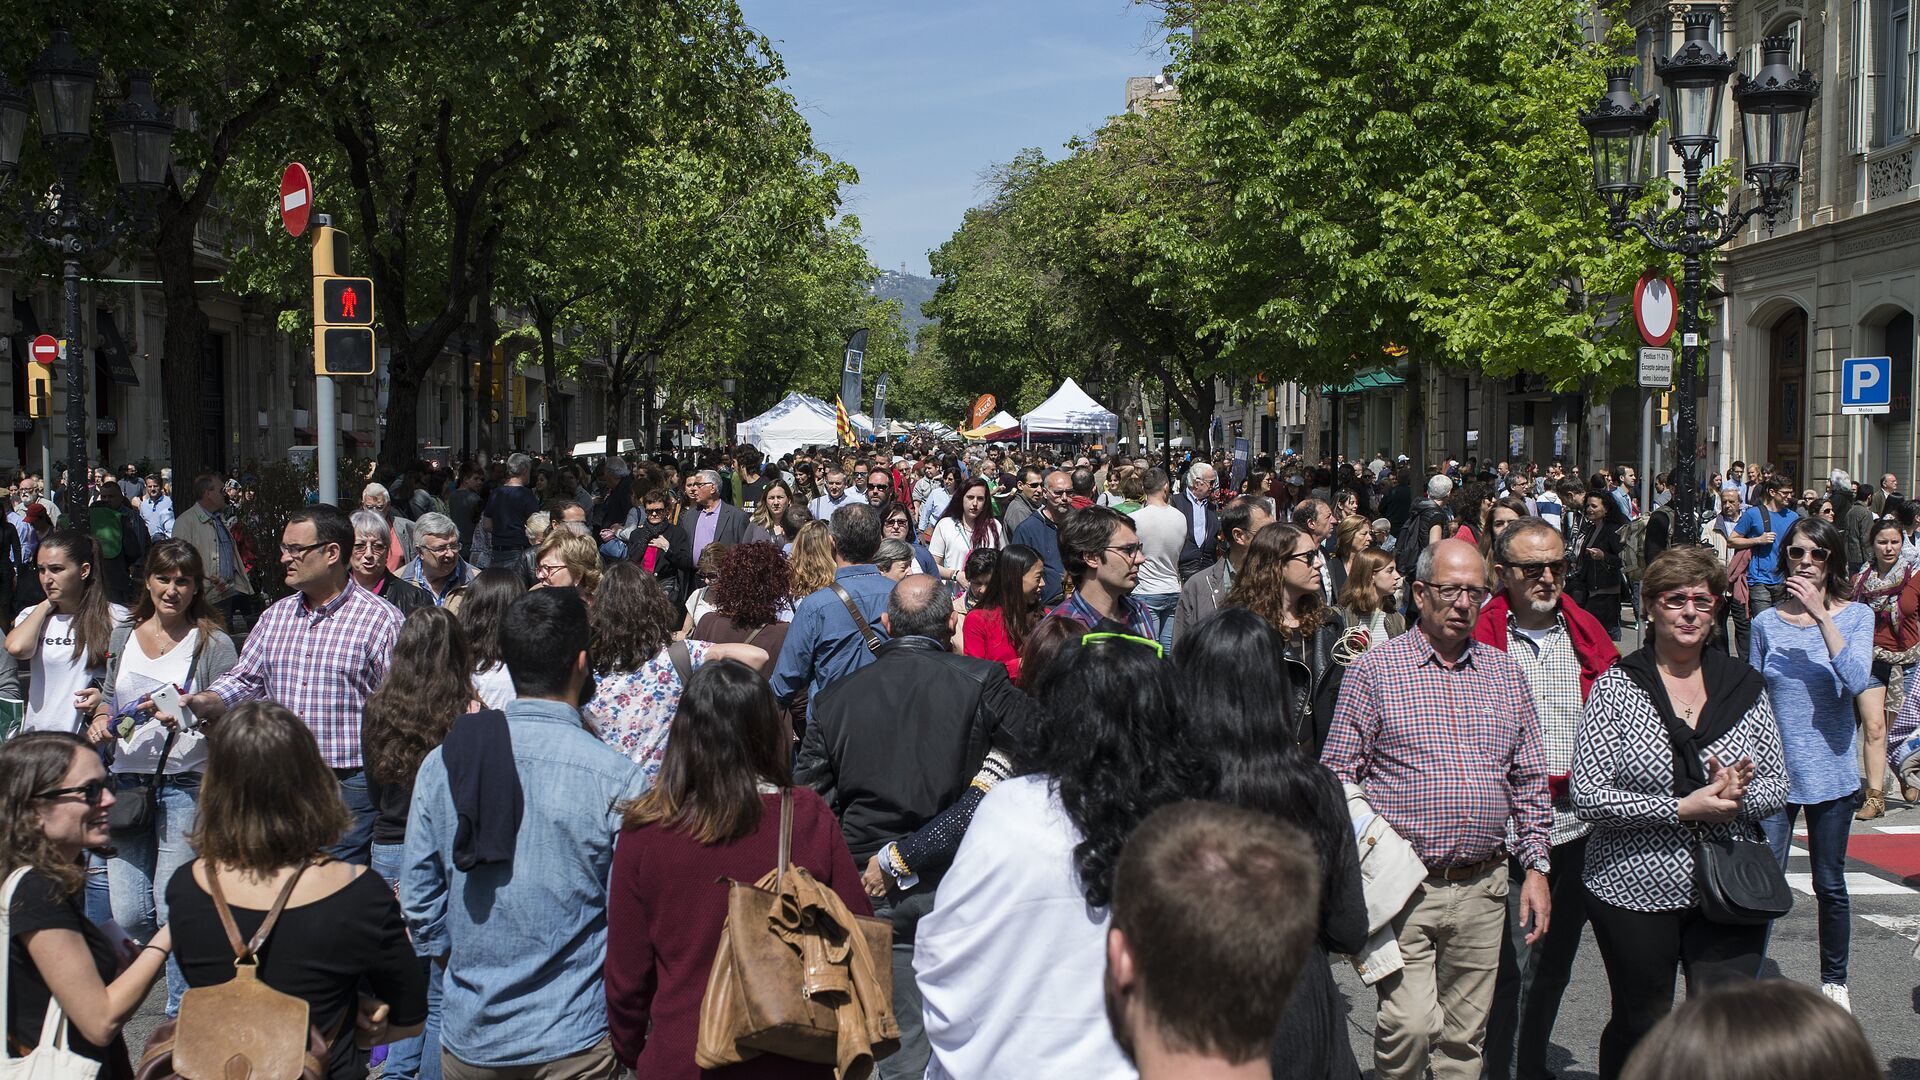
982 411
880 407
850 372
843 426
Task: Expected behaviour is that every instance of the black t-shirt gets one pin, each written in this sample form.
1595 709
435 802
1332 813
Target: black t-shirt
319 952
752 491
508 510
41 904
392 801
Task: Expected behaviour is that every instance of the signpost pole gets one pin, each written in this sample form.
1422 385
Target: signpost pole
326 421
1646 450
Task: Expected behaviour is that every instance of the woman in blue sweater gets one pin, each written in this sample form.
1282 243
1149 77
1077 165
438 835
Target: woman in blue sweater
1816 650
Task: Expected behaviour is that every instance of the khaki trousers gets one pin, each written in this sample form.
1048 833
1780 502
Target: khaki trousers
596 1062
1433 1012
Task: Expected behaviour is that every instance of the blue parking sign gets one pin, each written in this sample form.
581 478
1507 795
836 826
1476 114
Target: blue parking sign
1866 385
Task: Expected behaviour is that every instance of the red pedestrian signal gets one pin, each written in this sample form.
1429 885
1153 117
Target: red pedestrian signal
343 301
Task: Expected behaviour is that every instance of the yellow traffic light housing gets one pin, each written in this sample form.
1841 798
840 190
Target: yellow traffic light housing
39 391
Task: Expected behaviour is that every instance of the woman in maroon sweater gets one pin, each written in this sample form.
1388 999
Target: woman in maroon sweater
714 813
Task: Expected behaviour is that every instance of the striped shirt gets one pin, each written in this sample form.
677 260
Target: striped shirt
1446 752
323 663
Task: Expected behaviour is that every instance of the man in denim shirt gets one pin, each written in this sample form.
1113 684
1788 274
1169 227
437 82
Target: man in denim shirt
823 643
523 942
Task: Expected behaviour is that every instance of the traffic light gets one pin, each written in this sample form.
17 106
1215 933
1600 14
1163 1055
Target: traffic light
343 301
343 350
343 341
39 391
332 252
1661 401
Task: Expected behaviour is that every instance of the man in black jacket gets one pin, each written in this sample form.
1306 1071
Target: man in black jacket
895 743
1202 544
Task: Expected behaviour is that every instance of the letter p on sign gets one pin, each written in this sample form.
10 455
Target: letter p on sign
1866 385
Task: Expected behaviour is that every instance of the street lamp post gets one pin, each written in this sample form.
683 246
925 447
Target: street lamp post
139 130
1773 104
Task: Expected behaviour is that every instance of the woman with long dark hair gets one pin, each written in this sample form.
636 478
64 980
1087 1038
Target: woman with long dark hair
1815 648
1594 582
967 524
1233 693
268 812
54 798
637 678
1037 866
426 689
65 636
1280 582
713 812
482 614
176 639
997 628
771 511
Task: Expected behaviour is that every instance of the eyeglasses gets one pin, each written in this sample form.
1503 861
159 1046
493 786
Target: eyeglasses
1313 556
91 792
1679 601
1797 553
297 551
369 545
878 487
1534 571
1128 550
547 570
440 550
1451 594
897 523
1108 635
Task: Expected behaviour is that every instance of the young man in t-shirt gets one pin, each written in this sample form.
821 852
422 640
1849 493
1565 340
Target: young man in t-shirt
508 509
1162 531
1759 531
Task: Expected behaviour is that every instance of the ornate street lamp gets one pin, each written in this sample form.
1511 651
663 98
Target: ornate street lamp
63 83
1773 111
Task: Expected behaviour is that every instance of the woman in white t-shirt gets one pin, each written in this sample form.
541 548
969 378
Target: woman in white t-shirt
65 636
176 639
482 613
967 524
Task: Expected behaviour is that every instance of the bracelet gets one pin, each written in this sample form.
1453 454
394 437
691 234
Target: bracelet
164 953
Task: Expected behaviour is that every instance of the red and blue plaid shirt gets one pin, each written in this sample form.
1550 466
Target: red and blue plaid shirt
1445 752
1139 621
322 663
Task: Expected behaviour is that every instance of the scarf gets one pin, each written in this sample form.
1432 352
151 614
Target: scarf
1732 689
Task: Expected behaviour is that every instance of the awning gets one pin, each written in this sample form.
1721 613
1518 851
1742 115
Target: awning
307 435
355 438
111 349
1372 380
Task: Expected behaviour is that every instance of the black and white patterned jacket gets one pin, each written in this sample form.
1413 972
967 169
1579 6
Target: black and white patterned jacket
1639 855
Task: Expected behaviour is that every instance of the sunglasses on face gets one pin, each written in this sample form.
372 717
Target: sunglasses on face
1798 553
91 792
1534 571
1677 601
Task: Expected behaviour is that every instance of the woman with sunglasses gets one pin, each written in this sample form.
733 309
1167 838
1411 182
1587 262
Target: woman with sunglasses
662 548
1815 648
1594 582
1280 582
1891 587
898 525
1678 742
55 795
967 524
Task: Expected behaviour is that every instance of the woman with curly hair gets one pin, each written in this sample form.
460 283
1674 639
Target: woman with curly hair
54 797
481 615
1037 865
638 665
408 716
1280 582
812 558
750 601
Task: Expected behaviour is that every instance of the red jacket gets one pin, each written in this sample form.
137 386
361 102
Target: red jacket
1591 643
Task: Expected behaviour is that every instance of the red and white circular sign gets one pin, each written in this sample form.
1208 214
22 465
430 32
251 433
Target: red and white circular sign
44 350
1655 308
296 198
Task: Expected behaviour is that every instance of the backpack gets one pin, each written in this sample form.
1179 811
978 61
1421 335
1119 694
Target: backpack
242 1027
1633 542
1413 537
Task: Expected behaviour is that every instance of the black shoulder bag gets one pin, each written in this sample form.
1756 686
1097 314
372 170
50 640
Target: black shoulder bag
1739 881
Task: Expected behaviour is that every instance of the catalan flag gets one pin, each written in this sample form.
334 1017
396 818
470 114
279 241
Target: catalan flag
843 424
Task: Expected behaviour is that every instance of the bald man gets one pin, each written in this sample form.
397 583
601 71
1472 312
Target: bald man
1462 753
892 745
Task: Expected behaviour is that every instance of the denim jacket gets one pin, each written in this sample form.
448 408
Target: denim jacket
524 942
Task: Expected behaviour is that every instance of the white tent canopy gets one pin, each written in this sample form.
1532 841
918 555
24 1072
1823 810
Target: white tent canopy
1070 412
797 421
1002 419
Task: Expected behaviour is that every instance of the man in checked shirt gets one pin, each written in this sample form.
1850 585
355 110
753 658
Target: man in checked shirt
1562 650
1439 731
321 652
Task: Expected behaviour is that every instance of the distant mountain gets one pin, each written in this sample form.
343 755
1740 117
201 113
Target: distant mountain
912 291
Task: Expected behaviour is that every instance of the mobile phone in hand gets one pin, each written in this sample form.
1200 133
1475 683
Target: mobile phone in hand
166 702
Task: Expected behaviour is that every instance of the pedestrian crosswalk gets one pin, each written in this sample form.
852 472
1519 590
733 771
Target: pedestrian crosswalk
1883 875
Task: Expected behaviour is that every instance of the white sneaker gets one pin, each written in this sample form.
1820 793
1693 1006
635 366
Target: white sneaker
1837 993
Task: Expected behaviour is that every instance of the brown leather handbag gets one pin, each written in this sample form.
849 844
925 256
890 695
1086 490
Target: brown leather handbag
243 1029
798 975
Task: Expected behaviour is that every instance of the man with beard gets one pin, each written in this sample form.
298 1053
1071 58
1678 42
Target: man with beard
1561 650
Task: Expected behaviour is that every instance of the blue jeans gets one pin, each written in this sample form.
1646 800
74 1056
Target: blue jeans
1828 824
905 911
353 847
1163 606
142 865
96 900
416 1057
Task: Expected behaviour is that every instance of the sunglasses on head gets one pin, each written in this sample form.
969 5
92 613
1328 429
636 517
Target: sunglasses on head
1108 635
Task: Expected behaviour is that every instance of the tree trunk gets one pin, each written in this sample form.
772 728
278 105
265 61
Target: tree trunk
183 348
482 417
489 330
550 367
1310 426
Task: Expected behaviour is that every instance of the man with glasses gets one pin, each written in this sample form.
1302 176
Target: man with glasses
1758 533
1104 555
879 488
1562 650
835 497
1202 544
1438 732
321 652
1026 499
715 521
437 568
1041 533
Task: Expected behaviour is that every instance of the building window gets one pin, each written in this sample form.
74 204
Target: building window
1882 89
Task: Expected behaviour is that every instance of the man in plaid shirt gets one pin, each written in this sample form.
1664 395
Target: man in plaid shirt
321 652
1439 731
1562 650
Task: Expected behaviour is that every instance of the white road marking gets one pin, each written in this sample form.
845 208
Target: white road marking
1907 926
1898 830
1857 885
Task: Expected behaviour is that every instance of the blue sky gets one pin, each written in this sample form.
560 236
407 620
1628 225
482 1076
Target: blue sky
923 98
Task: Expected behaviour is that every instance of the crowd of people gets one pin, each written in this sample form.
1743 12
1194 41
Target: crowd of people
1125 753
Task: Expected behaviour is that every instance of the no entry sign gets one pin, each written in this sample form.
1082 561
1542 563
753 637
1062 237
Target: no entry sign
1655 309
296 198
44 350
